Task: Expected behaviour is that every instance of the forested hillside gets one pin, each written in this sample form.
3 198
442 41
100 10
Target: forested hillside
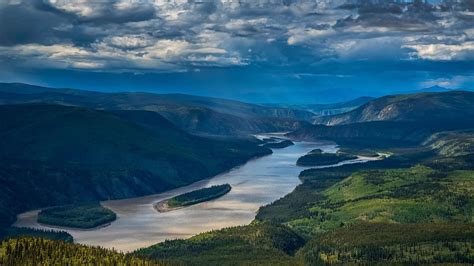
38 251
202 115
53 154
413 207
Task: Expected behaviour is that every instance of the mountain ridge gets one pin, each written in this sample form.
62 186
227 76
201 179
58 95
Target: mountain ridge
411 107
197 114
55 154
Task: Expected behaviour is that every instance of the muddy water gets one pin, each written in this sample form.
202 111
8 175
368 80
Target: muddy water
258 182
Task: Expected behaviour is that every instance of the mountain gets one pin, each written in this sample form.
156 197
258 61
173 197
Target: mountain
338 108
435 88
54 154
201 115
439 107
395 120
327 109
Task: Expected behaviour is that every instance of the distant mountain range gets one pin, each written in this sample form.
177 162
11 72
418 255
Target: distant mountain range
53 154
200 115
338 108
327 109
396 119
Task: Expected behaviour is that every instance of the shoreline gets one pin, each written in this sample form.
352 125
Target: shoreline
35 212
163 206
236 210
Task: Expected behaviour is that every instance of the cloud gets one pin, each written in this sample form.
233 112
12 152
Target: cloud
157 35
105 11
454 82
441 51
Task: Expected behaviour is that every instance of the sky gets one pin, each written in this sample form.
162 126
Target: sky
308 51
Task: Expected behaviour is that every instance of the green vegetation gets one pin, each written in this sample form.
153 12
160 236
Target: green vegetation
198 196
389 243
15 232
415 195
360 152
57 155
414 207
39 251
318 158
278 145
408 208
453 143
255 244
77 216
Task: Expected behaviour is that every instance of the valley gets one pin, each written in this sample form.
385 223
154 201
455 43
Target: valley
286 198
237 132
140 225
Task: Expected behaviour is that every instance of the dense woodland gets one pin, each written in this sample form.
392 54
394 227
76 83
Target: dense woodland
416 206
39 251
55 155
77 215
15 232
318 158
200 195
278 145
261 244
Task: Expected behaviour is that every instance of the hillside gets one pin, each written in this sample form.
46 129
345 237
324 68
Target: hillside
414 207
374 134
438 107
202 115
337 108
326 109
54 154
400 120
37 251
256 244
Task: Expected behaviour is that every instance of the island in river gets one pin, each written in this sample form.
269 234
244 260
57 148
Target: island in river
82 216
193 197
137 226
316 157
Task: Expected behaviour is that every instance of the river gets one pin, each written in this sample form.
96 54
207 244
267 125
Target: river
256 183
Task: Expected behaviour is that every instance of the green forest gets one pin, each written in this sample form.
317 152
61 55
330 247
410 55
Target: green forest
278 145
15 232
39 251
198 196
82 216
413 207
317 158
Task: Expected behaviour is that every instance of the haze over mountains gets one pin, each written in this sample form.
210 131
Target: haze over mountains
202 115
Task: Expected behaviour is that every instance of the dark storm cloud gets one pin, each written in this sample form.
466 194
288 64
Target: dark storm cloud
191 35
31 22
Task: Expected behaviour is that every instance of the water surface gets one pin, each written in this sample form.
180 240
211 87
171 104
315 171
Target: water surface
258 182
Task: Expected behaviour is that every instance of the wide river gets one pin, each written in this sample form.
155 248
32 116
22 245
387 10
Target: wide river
256 183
